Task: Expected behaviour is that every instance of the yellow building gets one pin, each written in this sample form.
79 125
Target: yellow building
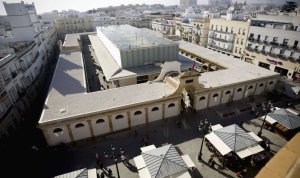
195 32
73 24
228 36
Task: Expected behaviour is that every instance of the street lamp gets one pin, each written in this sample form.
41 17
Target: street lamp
114 156
267 106
205 127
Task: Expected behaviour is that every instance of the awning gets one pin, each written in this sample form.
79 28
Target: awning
296 90
139 162
218 143
144 173
185 175
249 151
292 111
257 138
188 161
216 127
270 120
92 173
147 148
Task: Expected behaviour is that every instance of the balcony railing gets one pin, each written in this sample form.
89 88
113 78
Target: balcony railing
273 55
218 48
222 40
273 43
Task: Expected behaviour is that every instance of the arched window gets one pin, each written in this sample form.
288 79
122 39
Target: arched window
137 113
250 87
215 95
239 90
261 85
202 98
171 105
270 83
79 125
57 130
227 92
99 121
120 116
155 109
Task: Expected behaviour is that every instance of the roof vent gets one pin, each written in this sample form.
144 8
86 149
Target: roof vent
63 110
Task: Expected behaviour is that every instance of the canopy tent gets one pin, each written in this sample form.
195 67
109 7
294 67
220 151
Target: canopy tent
216 127
285 118
161 162
81 173
233 138
139 162
147 148
188 161
296 90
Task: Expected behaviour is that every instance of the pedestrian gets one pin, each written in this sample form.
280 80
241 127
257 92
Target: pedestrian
257 114
97 159
123 158
109 171
102 175
135 133
210 159
213 162
239 174
178 123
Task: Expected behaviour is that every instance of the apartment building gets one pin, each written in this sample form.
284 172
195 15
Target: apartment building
73 23
195 31
228 36
22 68
165 27
273 43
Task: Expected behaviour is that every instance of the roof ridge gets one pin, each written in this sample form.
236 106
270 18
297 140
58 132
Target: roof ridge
81 172
163 160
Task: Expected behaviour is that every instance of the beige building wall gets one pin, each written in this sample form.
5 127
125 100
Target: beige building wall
195 32
73 25
125 118
239 29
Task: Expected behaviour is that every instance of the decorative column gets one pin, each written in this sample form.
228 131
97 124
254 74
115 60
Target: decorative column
110 123
129 119
70 132
146 115
163 110
91 128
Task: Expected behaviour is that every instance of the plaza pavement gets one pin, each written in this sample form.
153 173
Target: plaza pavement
187 139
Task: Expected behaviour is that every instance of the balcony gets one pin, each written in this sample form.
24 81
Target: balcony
273 43
273 55
281 56
221 49
249 49
251 38
222 40
266 42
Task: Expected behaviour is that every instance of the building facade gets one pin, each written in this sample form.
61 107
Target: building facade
22 68
273 43
228 36
70 114
165 27
73 24
195 32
